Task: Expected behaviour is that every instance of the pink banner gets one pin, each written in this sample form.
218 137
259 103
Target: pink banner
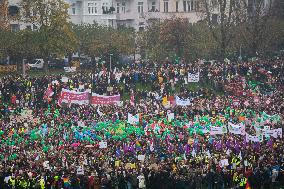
73 97
101 99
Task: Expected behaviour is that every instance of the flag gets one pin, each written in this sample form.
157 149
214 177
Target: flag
248 186
132 100
48 93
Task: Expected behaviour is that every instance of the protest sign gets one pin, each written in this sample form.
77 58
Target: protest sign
64 79
70 69
102 144
132 119
193 77
80 170
182 102
141 157
171 116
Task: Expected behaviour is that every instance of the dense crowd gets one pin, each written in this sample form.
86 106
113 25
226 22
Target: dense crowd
47 145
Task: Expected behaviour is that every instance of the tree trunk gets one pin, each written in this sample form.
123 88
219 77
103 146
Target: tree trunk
45 64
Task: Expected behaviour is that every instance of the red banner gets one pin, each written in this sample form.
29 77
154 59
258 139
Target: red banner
101 99
73 97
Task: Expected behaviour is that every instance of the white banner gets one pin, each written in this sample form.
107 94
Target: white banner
275 133
181 102
236 129
70 69
193 78
218 130
254 138
132 119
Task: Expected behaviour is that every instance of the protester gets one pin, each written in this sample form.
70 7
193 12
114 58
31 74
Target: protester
56 134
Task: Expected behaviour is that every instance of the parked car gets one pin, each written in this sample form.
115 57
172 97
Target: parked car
36 64
56 63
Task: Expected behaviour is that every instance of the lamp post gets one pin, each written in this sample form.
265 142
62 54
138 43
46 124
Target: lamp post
110 55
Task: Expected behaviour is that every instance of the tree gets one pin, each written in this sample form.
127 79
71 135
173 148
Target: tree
4 20
174 35
54 35
101 41
256 21
221 18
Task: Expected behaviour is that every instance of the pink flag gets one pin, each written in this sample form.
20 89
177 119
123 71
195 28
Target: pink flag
132 100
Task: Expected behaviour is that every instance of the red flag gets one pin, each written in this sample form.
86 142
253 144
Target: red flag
247 185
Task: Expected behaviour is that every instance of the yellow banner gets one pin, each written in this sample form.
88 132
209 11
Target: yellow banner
10 68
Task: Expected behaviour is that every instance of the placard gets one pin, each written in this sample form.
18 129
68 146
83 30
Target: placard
102 145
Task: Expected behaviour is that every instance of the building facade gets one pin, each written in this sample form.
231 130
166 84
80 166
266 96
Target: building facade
131 13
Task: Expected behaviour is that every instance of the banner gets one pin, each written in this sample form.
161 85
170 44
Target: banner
8 68
132 119
218 130
254 138
73 97
236 129
70 69
275 133
181 102
193 78
101 99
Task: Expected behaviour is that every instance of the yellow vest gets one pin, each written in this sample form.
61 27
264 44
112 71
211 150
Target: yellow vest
243 182
42 183
13 182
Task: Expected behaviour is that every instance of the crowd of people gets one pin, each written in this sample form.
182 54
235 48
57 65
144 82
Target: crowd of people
228 134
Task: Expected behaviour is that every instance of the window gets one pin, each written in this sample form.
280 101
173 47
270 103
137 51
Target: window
73 10
91 8
166 6
34 27
176 6
123 7
140 7
15 27
153 6
117 7
184 6
105 8
214 18
29 27
13 10
188 6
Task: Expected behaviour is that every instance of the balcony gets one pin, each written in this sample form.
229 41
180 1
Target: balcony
127 16
191 16
109 16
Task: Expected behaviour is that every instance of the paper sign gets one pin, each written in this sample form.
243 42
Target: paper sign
64 79
80 171
70 69
133 166
102 145
116 163
224 162
141 157
171 116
